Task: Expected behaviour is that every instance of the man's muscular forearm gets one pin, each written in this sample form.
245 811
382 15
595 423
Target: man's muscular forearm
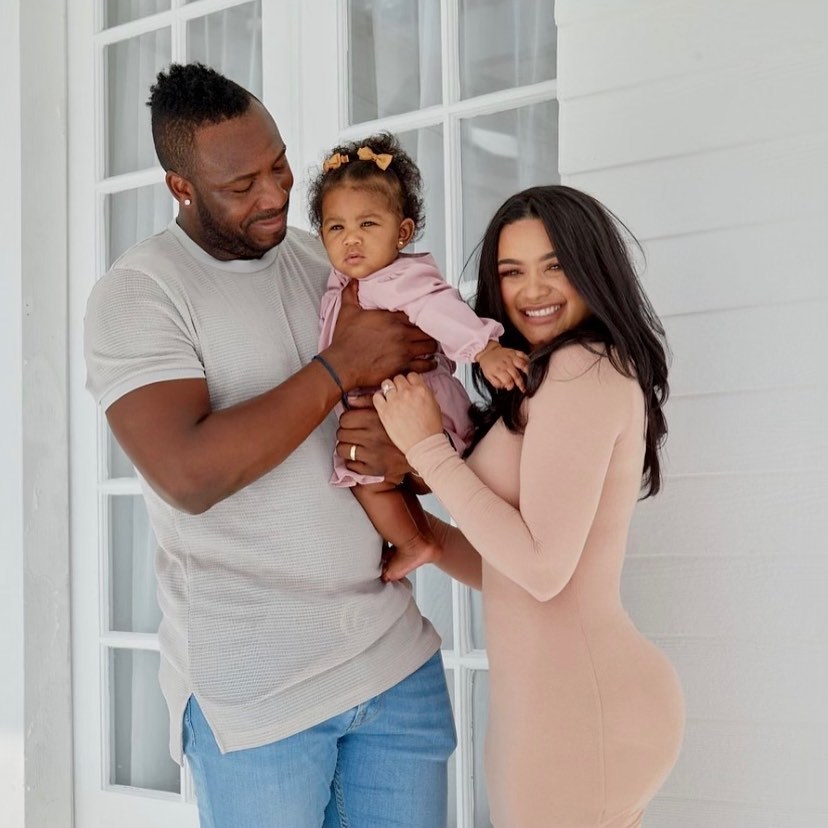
195 457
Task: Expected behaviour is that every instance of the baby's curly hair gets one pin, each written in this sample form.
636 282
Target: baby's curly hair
184 98
401 180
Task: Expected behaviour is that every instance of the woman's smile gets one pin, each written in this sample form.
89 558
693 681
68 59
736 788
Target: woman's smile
540 313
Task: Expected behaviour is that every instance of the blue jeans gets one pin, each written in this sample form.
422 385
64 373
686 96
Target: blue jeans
380 764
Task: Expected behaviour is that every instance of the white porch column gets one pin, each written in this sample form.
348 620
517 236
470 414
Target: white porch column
35 689
11 479
45 418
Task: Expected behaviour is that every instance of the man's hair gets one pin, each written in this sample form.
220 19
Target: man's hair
184 98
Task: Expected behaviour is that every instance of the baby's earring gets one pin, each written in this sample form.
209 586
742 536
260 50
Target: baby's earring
400 243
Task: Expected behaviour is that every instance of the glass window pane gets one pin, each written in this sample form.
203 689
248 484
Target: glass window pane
139 722
480 715
132 215
500 155
504 45
395 57
133 601
425 146
119 464
478 628
131 67
231 42
432 588
124 11
433 594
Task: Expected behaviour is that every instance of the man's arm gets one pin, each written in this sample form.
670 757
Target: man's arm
195 457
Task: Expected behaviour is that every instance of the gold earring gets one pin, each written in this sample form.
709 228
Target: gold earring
400 243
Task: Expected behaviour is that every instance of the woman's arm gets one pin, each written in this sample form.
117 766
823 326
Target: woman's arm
573 423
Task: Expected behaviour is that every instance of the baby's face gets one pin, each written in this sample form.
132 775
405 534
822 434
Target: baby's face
361 230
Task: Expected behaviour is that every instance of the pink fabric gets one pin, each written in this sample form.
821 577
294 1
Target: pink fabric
586 715
413 284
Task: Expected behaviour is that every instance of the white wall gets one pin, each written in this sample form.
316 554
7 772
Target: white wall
11 512
704 125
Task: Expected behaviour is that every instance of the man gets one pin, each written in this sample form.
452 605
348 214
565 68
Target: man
302 689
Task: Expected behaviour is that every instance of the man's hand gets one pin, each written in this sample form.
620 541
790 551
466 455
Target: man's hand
370 345
375 453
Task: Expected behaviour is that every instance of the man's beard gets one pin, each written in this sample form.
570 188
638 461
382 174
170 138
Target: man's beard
233 245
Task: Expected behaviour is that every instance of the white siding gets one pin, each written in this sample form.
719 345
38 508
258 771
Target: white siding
704 125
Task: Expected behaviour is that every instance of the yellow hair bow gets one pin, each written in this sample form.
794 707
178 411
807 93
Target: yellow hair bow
334 162
383 160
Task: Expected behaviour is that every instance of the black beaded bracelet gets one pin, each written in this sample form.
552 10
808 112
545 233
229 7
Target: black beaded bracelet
334 376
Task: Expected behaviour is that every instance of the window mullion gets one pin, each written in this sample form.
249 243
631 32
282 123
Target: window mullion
464 756
130 181
506 99
135 28
116 640
406 121
464 712
450 45
178 37
343 28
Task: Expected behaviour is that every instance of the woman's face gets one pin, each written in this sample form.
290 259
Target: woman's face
539 300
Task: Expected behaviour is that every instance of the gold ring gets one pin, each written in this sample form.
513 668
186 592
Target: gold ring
387 386
352 453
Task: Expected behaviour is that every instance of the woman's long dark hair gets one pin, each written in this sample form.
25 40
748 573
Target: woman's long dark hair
591 249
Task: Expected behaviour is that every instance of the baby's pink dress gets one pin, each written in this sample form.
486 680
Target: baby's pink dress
412 283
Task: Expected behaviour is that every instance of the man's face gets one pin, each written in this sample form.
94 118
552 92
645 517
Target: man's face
241 181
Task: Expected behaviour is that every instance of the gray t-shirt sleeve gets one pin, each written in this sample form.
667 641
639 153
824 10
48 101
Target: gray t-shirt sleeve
135 334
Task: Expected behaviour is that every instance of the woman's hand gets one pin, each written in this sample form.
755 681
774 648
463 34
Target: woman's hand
408 410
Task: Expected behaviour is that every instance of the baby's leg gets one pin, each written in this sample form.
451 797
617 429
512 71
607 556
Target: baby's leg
398 517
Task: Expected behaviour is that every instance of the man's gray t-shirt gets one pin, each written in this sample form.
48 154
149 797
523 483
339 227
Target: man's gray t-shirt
274 615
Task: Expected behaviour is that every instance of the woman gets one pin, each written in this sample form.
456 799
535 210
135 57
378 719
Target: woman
586 715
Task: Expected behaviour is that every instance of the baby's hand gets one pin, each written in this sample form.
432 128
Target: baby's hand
503 367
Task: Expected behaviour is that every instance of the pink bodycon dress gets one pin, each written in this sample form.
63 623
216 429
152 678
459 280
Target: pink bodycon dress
412 283
586 715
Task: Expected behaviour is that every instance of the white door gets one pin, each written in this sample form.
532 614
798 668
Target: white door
470 87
